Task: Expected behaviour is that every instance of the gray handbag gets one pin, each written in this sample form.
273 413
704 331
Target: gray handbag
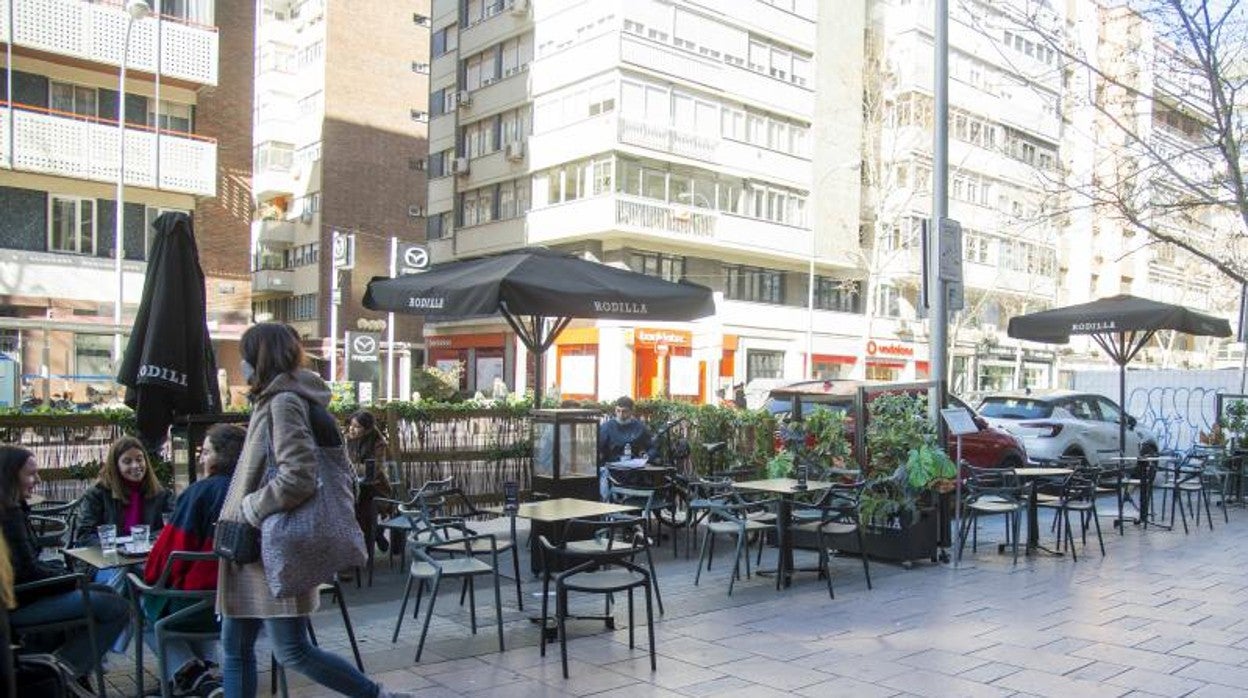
304 547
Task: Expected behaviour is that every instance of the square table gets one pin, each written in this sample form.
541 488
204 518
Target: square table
95 557
787 488
555 511
1033 523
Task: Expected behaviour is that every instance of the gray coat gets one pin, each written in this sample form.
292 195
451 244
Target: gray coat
279 416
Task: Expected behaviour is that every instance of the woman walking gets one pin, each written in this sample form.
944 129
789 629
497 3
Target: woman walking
289 422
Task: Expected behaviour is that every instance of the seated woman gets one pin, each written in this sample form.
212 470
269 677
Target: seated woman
188 663
366 449
126 494
19 476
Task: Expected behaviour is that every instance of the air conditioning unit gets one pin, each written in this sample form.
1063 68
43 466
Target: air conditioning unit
519 7
459 166
418 115
415 211
464 98
515 151
421 68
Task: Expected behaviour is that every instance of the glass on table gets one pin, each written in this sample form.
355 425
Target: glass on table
139 535
108 538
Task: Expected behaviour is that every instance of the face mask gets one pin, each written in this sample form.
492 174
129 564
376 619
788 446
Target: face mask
249 371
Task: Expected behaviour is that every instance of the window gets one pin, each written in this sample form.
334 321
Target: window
440 163
445 40
837 294
763 364
754 284
93 355
666 267
887 301
71 225
438 226
174 116
73 99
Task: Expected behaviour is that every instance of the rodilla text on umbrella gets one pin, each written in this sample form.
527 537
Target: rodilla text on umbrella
162 373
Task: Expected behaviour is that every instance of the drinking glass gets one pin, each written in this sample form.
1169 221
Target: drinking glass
138 536
108 538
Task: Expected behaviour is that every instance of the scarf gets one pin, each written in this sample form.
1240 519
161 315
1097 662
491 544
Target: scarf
133 513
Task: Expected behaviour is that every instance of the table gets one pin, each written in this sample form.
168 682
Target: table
786 488
1033 523
35 500
1151 464
93 556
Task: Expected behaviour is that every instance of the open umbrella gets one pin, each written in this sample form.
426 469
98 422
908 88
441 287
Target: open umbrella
168 368
1121 325
538 291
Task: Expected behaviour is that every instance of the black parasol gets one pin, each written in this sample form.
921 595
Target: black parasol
169 368
1122 325
538 291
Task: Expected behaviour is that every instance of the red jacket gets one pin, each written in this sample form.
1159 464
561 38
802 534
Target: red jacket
190 528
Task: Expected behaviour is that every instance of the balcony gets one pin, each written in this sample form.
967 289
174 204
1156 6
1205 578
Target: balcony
667 139
272 281
95 32
67 145
274 234
664 222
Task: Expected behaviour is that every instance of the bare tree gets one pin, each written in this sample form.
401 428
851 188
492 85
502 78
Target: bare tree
1167 82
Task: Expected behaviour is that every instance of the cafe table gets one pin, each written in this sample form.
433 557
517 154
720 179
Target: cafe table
787 489
1148 469
95 557
1031 475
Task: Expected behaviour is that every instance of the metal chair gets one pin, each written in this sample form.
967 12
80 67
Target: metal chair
55 523
726 518
991 492
429 569
606 571
196 604
838 515
1078 494
87 619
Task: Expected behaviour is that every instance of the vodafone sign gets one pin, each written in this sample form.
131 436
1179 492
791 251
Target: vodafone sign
889 350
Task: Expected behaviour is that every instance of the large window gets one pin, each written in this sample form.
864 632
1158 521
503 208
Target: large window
445 40
73 99
887 301
837 294
665 266
174 116
149 233
93 355
705 189
71 225
754 284
763 364
495 202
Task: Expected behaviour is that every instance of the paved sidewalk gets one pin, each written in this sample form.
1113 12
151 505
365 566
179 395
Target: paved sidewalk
1162 614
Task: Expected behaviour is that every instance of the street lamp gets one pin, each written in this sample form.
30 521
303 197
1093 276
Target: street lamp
135 9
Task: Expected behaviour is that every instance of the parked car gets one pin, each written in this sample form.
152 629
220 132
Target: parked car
988 448
1065 423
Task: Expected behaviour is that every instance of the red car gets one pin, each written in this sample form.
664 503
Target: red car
988 448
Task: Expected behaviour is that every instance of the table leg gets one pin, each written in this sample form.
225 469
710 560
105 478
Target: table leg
1033 517
785 542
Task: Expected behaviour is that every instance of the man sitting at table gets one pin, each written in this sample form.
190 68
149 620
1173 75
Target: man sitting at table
622 438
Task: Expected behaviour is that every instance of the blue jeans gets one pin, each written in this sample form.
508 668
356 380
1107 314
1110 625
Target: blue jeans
293 649
112 616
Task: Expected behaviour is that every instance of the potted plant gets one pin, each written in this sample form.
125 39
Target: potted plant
1235 426
818 441
906 468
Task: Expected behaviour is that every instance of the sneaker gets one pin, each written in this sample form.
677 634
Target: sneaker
188 676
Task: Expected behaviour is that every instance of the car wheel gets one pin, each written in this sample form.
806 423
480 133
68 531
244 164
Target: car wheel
1076 453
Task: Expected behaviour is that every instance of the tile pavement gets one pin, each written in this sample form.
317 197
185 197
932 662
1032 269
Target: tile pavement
1163 614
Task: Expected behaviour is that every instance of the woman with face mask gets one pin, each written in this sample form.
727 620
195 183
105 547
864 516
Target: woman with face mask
126 494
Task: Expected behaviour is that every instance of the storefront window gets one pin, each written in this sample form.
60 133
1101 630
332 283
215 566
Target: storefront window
763 364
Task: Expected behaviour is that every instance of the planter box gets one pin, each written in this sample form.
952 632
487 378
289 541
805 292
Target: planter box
917 539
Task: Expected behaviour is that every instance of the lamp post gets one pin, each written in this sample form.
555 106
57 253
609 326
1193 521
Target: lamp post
135 9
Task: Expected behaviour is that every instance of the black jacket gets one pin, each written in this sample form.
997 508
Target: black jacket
24 553
98 507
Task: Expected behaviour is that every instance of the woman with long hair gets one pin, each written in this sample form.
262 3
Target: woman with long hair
367 449
289 422
19 477
126 493
188 664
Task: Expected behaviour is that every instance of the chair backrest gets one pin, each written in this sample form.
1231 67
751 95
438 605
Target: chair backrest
842 499
995 482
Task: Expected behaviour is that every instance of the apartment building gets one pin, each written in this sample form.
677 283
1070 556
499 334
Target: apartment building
341 112
1138 122
672 138
60 158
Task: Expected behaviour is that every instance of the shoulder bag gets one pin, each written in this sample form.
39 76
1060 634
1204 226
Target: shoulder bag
304 547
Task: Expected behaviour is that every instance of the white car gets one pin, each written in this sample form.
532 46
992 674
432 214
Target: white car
1058 424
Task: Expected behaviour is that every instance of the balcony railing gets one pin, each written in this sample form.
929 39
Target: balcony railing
667 139
665 217
96 31
272 281
275 233
69 145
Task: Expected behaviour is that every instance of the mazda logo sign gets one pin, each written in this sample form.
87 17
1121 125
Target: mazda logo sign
363 345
